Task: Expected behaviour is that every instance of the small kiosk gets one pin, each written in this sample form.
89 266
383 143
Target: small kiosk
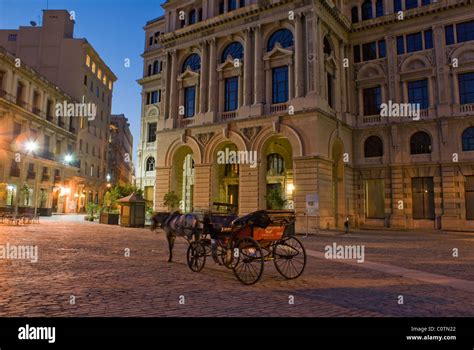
132 211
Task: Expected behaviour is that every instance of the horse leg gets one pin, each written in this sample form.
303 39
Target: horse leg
171 237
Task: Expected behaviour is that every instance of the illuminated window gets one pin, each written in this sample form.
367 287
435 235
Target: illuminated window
99 74
104 80
110 84
93 67
88 60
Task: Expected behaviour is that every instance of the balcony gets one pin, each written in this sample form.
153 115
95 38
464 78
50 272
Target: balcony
57 178
15 172
185 122
72 129
49 118
47 155
31 175
21 103
36 111
371 119
61 123
45 178
466 109
228 115
278 108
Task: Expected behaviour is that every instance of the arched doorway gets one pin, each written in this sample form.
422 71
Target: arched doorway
338 188
226 177
277 162
182 180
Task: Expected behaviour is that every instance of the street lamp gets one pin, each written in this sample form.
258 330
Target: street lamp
31 146
108 177
68 158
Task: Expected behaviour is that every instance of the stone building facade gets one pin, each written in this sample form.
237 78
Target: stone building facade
120 162
75 66
35 171
302 84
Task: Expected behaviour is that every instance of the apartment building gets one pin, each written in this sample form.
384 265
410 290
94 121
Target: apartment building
36 146
76 67
120 151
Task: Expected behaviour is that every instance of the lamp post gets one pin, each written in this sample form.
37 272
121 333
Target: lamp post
31 147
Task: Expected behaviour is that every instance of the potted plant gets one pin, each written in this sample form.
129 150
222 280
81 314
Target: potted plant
171 200
91 208
43 210
275 200
3 194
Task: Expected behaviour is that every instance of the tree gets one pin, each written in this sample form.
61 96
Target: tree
171 200
275 199
3 193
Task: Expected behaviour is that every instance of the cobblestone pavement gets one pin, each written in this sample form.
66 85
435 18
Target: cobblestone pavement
86 262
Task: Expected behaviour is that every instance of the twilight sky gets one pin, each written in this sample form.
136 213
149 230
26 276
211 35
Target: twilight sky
115 30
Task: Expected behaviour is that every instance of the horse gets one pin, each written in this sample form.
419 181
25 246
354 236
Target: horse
175 225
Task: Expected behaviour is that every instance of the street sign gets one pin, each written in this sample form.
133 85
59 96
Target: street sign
312 203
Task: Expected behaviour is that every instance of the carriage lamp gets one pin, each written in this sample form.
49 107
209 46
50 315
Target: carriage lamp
290 188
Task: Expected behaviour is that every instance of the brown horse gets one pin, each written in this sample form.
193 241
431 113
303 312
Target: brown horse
175 225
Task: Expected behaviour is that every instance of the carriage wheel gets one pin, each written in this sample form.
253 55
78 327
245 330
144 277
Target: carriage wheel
196 256
290 257
249 266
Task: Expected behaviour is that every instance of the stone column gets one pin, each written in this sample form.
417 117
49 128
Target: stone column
343 85
247 68
166 87
173 86
268 86
299 53
291 81
202 186
211 106
405 91
258 86
220 96
204 77
249 187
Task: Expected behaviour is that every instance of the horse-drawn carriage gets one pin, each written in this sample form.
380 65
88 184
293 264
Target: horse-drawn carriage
244 244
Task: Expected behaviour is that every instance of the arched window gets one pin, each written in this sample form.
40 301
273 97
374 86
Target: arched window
420 143
150 69
192 16
379 8
275 164
468 139
150 164
193 62
373 147
327 48
282 36
156 66
355 14
234 50
367 10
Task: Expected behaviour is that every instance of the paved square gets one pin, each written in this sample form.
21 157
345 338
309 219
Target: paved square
86 262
